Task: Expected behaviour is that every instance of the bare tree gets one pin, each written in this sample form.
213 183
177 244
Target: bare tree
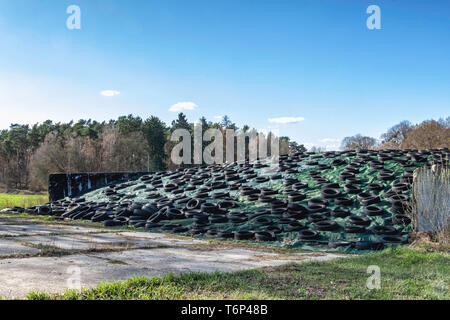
396 135
358 142
429 134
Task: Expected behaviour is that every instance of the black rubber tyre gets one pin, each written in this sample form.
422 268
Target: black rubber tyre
194 204
268 192
354 229
276 177
275 228
238 220
259 213
218 218
369 245
100 216
402 219
359 221
343 201
295 226
277 211
337 244
339 162
353 181
263 221
352 189
317 201
330 193
265 199
197 231
261 179
393 239
384 230
308 234
208 207
275 204
174 214
326 225
298 215
316 208
44 210
375 187
331 186
316 217
340 213
225 234
299 185
296 196
346 175
398 209
374 211
121 220
111 223
228 204
398 197
285 220
385 176
139 224
399 187
265 236
370 200
169 227
151 225
247 190
243 235
180 229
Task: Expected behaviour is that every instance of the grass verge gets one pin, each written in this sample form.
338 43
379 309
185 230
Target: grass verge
9 200
406 273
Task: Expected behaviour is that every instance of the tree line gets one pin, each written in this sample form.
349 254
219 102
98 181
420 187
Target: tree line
29 153
429 134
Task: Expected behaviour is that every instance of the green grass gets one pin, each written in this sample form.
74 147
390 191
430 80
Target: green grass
9 200
406 273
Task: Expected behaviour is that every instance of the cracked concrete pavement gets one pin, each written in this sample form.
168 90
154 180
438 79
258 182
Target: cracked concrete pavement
44 257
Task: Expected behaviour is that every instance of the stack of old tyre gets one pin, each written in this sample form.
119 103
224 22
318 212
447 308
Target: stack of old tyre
239 201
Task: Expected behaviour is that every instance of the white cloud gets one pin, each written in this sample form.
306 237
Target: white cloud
109 93
325 140
180 106
284 120
218 117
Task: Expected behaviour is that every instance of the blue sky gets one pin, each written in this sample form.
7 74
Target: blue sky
252 60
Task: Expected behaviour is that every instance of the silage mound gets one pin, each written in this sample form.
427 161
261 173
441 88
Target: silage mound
339 201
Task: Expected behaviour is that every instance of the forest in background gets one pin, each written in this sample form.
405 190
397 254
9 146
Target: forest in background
29 153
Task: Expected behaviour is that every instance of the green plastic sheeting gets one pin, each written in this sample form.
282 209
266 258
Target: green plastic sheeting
290 239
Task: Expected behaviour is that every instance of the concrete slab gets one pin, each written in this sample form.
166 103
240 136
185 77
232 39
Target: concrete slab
162 238
12 247
67 242
114 240
56 274
15 230
104 240
39 229
19 276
